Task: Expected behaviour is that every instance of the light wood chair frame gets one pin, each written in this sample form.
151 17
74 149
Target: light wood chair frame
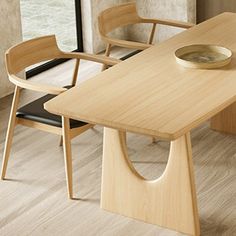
126 14
26 54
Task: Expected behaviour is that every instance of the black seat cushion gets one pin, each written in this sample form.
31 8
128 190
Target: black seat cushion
130 55
35 111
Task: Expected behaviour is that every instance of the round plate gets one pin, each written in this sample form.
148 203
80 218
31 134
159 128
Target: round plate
202 56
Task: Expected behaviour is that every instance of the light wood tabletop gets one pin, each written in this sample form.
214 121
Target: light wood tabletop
152 94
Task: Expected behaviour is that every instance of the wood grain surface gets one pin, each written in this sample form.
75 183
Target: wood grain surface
152 94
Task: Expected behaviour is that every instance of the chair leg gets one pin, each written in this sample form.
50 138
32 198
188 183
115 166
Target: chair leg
10 132
154 140
67 155
107 54
61 141
7 149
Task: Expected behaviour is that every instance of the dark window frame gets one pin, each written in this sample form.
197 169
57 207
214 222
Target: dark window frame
50 64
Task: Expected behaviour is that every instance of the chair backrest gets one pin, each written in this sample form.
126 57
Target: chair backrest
31 52
117 16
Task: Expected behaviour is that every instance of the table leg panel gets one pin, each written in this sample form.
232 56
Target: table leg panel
225 121
169 201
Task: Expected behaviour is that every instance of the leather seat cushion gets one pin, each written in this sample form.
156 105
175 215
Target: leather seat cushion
35 111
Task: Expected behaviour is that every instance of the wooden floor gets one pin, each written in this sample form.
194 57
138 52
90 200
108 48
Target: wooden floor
33 201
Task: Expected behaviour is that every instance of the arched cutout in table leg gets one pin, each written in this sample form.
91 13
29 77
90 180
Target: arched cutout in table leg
170 201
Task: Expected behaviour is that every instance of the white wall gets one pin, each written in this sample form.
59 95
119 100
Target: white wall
10 34
183 10
90 11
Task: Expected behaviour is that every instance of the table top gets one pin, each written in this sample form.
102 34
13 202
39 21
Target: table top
151 94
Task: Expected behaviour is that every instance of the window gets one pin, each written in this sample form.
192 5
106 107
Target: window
62 18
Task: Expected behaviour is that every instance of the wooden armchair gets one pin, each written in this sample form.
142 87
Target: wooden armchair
126 14
33 114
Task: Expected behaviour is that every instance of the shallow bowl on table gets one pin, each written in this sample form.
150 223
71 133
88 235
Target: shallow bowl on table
202 56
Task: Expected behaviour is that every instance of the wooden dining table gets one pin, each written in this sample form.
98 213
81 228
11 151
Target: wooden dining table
151 94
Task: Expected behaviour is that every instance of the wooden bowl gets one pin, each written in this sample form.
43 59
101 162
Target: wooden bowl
202 56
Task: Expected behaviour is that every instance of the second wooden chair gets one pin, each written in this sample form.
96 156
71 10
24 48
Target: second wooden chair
126 14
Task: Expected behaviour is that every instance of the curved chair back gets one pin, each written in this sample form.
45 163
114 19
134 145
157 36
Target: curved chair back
37 50
31 52
118 16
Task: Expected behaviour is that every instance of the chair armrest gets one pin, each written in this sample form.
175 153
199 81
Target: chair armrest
174 23
50 89
22 83
126 44
91 57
